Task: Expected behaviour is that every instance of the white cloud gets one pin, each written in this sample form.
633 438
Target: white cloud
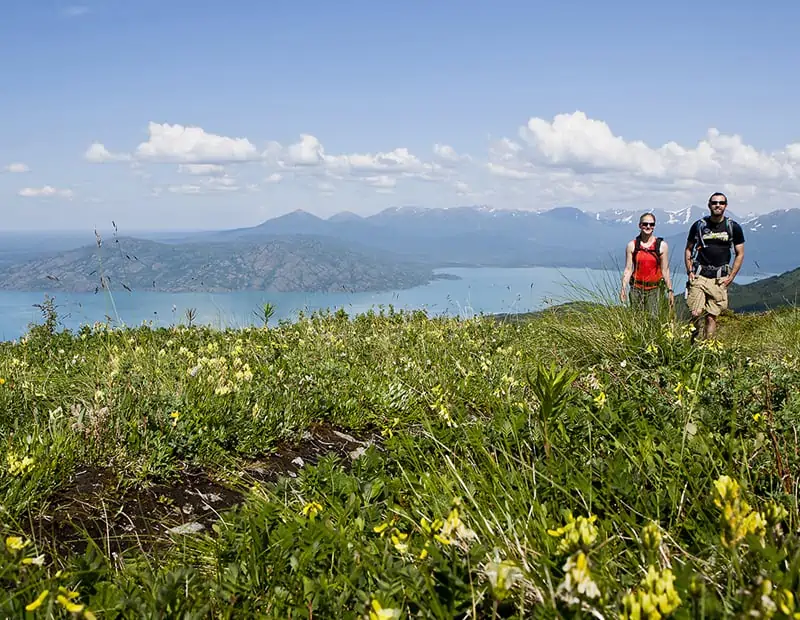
568 159
46 191
573 158
206 186
447 154
16 167
176 143
183 145
308 152
202 169
200 153
98 154
397 161
381 181
509 173
383 170
584 146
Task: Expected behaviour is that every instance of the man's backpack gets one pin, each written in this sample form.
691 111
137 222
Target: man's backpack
698 236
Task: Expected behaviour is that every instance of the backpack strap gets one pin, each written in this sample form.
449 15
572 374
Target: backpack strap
729 226
637 247
698 232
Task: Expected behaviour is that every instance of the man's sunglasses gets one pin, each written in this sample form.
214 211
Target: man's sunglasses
717 202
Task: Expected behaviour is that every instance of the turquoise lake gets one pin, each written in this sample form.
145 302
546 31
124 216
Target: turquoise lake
479 291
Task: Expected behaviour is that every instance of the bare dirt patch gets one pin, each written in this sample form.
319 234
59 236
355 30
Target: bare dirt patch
320 441
92 505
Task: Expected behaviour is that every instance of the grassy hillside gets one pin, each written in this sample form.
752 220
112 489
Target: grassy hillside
767 294
582 463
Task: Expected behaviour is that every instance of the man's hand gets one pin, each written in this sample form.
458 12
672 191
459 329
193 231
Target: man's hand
727 281
691 276
671 299
623 295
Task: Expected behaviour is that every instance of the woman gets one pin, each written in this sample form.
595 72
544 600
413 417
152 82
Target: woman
647 268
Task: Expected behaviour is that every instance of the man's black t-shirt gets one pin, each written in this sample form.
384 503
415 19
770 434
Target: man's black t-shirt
717 250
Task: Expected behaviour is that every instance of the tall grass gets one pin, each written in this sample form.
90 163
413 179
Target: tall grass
589 461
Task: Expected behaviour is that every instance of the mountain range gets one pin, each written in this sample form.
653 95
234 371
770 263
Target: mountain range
559 237
396 248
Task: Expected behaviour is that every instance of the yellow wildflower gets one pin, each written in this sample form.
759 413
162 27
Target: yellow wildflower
576 533
679 392
454 528
35 604
70 594
18 466
600 399
311 509
71 607
655 599
222 389
502 577
774 514
786 603
441 406
16 543
38 560
738 519
380 613
651 536
399 541
578 578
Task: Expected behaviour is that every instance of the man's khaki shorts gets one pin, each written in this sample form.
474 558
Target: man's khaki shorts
707 295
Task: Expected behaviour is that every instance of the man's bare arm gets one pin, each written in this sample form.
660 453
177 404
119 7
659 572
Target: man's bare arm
737 263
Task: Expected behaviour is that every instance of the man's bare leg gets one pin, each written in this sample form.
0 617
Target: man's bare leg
697 322
711 326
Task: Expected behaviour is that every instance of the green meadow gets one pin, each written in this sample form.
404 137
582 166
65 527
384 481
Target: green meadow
586 463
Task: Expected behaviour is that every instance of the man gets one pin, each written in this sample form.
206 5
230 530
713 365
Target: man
647 268
707 258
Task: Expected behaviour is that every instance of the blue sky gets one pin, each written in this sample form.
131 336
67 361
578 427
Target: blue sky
178 114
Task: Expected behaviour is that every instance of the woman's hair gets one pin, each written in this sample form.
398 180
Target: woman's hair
644 215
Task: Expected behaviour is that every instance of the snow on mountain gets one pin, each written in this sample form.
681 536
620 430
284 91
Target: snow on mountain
682 216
